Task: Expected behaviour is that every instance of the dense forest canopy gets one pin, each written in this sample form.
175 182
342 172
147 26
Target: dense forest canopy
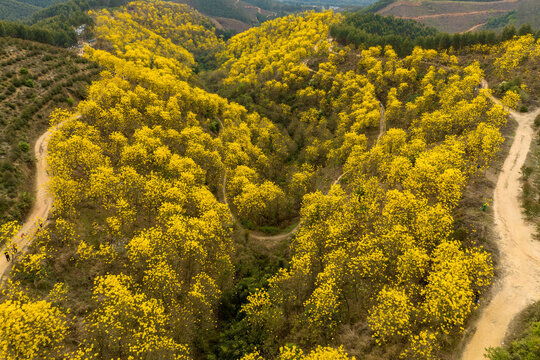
189 150
55 25
14 10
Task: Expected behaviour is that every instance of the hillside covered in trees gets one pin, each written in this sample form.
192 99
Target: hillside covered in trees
55 25
273 196
14 10
364 29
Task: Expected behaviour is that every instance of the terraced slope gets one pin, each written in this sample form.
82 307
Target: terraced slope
35 79
450 16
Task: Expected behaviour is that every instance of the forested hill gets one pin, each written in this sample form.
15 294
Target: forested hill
55 25
14 10
223 8
272 196
22 9
235 16
384 26
364 29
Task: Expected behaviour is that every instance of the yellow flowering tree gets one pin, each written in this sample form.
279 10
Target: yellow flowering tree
31 330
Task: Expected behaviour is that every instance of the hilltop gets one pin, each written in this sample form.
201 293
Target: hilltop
462 16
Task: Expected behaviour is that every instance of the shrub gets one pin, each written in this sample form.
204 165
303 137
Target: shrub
16 82
24 146
70 101
537 121
523 109
23 71
269 230
526 171
29 94
214 126
56 89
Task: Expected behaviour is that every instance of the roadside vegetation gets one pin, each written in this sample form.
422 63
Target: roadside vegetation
523 342
531 181
502 64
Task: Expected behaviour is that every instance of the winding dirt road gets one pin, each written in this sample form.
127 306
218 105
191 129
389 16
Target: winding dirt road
475 27
519 262
42 205
461 14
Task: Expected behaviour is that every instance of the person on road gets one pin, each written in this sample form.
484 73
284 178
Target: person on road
7 255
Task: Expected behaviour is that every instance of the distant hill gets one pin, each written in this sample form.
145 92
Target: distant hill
55 24
221 8
40 3
459 16
527 12
20 9
15 10
234 16
337 3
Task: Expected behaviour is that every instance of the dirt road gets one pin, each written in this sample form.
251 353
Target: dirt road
461 14
519 281
42 205
475 27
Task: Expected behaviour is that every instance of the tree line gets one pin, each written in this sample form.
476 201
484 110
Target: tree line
54 25
366 29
